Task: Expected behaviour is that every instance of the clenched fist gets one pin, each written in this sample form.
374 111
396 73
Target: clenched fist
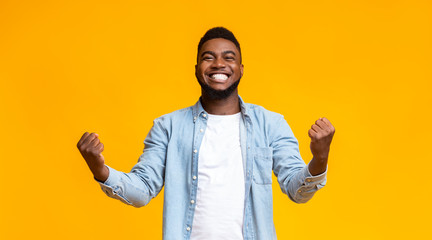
91 149
321 134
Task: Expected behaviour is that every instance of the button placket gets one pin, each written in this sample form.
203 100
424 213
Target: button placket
200 123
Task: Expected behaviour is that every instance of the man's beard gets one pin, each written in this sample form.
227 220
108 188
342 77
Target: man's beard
214 94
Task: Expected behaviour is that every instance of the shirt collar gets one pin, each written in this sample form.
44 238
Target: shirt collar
199 110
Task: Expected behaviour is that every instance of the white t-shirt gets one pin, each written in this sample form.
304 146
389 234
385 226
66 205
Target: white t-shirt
221 188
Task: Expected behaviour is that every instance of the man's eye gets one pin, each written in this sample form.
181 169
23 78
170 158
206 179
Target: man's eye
229 58
207 58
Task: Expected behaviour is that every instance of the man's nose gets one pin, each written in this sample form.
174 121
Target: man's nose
218 63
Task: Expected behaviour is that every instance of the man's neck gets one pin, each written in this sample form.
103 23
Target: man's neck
227 106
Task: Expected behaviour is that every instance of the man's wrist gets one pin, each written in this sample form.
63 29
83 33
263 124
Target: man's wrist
318 165
320 159
102 175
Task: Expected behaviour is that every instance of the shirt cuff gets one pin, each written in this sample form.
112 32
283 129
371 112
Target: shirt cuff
113 177
313 180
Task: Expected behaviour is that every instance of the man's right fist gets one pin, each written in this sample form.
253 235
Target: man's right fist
91 149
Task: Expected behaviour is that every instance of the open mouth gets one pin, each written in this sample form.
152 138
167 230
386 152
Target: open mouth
219 77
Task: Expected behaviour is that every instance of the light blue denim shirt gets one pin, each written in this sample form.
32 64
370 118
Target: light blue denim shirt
170 158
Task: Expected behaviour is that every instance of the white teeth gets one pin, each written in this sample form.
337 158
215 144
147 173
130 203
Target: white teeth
219 76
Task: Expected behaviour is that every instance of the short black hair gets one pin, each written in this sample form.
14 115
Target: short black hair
218 32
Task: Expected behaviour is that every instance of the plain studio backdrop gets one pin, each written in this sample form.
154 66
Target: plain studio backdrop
111 67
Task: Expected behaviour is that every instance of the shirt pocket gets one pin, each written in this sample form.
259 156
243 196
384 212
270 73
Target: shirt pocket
263 165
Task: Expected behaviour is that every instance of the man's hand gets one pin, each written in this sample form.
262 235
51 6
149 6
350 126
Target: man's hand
321 134
91 149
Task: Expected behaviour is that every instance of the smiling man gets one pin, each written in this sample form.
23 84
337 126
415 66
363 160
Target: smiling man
216 157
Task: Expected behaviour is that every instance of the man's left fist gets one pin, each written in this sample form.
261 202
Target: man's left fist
321 134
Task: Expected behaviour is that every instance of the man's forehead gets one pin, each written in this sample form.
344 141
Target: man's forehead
219 45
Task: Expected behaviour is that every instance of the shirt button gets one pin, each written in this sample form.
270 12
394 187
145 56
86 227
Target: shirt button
195 151
201 130
204 115
194 177
192 201
194 118
188 228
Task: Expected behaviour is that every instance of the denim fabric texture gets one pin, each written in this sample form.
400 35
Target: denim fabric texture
170 159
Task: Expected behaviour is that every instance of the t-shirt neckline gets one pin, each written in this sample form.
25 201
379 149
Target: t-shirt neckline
223 116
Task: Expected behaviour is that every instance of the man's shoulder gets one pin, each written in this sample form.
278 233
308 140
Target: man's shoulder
271 122
258 111
183 112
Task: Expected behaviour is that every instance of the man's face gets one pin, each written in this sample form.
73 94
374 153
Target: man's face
218 66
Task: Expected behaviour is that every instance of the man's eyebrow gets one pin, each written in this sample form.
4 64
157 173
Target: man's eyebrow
214 54
229 51
208 52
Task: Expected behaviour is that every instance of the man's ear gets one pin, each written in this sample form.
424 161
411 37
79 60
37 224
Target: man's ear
241 69
196 67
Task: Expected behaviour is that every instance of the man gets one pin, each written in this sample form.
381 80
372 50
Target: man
216 157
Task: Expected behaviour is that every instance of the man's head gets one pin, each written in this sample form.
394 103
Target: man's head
219 66
218 32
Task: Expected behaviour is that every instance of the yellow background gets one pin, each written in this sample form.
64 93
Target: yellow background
111 67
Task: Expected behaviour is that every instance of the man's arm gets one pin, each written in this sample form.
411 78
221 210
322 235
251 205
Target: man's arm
146 178
91 149
321 134
294 176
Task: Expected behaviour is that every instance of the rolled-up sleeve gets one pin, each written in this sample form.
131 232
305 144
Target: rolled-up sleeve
306 185
113 186
146 178
291 171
